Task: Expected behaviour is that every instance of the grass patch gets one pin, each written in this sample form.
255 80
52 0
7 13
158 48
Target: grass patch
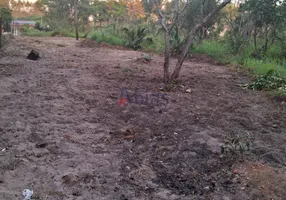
157 44
36 33
215 49
58 32
263 67
107 38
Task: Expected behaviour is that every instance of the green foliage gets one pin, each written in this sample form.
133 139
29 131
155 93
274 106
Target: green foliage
54 33
235 41
100 11
6 18
156 45
107 38
263 12
36 33
61 13
148 6
215 49
135 37
281 91
263 67
192 13
271 81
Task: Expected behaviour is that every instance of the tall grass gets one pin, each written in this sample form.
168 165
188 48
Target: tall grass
216 49
36 33
220 51
107 38
157 44
263 67
57 32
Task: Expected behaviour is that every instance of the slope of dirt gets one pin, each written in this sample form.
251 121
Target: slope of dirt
66 134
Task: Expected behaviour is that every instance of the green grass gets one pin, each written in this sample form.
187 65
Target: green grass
262 67
62 32
107 38
221 52
30 18
157 45
275 52
36 33
215 49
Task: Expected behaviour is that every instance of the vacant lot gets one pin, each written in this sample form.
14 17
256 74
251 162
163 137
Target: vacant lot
65 136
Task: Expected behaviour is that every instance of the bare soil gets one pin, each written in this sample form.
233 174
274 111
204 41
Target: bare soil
65 136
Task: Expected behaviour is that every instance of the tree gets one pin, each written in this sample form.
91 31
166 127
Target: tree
4 4
7 18
76 18
135 9
117 10
168 23
266 16
61 13
148 6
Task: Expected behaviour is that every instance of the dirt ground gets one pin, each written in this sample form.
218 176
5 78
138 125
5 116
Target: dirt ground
66 134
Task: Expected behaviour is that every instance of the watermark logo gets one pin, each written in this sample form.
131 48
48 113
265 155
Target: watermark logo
142 98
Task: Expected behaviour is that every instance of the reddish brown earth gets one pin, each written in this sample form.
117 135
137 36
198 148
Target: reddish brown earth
65 136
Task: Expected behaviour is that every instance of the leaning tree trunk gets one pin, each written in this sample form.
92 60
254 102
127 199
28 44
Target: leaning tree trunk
183 55
167 57
76 19
191 37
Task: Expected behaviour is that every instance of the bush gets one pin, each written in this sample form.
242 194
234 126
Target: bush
135 37
271 81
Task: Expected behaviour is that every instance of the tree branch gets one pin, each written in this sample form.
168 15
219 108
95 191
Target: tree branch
214 12
178 13
162 16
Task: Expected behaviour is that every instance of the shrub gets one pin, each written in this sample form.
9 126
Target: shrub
135 37
271 81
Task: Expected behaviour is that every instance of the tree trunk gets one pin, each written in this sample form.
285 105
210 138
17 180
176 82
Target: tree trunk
183 55
203 30
266 40
76 19
0 29
167 57
255 39
191 37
